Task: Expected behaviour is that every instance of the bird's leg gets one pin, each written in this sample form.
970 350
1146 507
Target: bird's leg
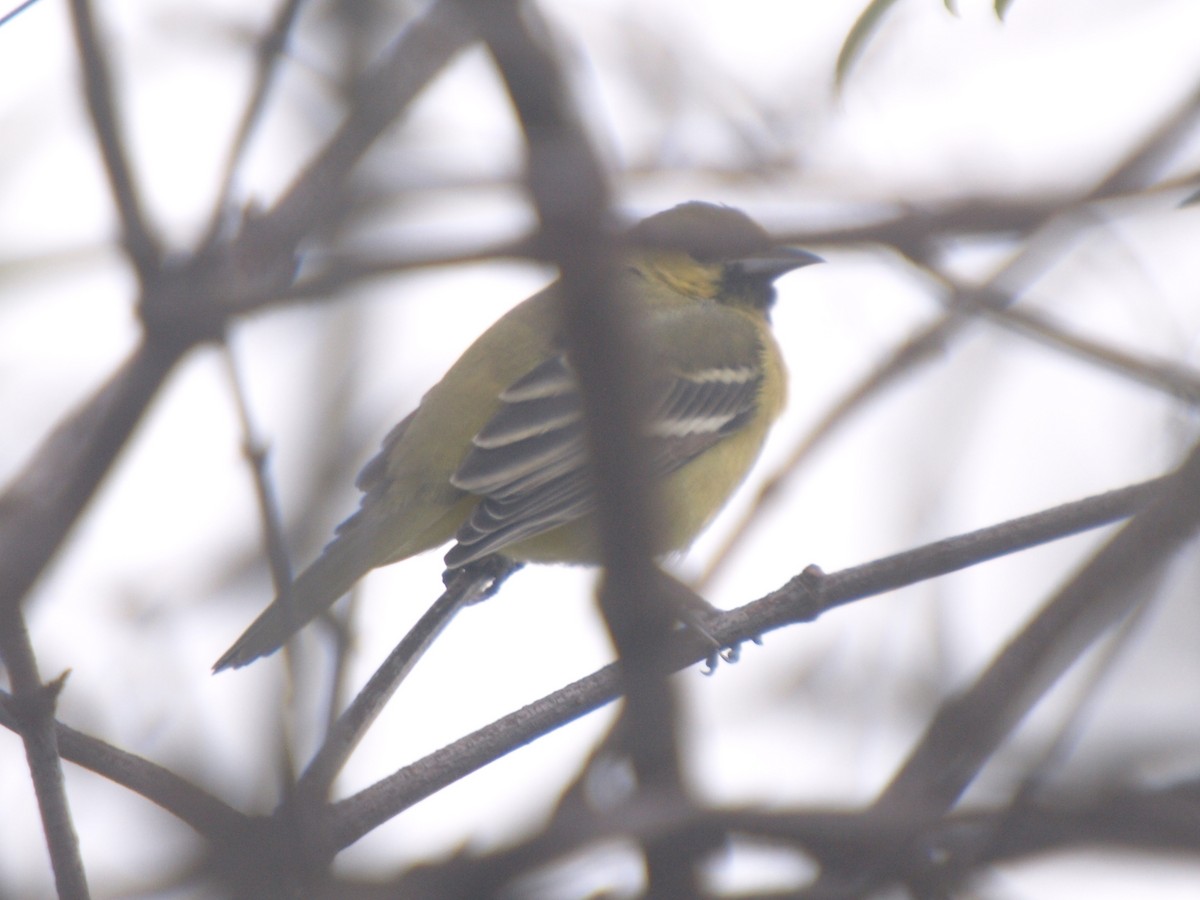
697 614
484 576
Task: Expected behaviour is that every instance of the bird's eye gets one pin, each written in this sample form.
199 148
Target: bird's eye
704 257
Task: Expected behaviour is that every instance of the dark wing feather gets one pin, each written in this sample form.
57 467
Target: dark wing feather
495 524
373 478
529 462
698 410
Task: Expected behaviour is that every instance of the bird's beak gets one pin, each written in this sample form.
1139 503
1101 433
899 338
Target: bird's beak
776 262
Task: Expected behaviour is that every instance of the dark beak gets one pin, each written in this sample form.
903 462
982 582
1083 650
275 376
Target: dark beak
776 262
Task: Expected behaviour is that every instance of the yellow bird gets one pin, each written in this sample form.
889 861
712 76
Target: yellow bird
494 456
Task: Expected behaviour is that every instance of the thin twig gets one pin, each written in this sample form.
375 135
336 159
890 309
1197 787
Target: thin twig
568 186
968 728
16 11
803 599
266 66
1179 381
427 43
255 451
465 586
188 803
31 715
140 245
1067 734
927 343
915 234
333 274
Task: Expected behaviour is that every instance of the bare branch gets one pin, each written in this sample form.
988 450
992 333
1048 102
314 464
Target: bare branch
803 599
968 728
465 586
199 809
30 713
140 245
570 191
45 499
270 51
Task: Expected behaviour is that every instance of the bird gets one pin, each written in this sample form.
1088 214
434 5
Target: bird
494 457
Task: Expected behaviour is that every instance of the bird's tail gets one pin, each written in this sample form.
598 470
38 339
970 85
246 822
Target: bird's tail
343 562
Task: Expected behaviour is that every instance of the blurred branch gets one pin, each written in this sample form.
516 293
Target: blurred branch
333 274
1047 228
256 453
187 302
1068 731
803 599
29 711
464 587
140 246
911 231
1179 381
924 345
44 499
1159 820
1145 163
15 11
916 230
199 809
969 728
426 45
266 65
569 188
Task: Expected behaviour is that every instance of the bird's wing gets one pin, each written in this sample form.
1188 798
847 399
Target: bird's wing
373 479
529 462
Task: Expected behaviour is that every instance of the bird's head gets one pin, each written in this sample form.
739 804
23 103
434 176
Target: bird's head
713 252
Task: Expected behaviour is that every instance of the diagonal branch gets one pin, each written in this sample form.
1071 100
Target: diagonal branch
960 740
427 44
266 64
465 586
199 809
44 499
140 245
186 303
30 714
969 728
805 598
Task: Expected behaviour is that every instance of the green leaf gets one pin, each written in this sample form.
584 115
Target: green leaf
1002 8
856 40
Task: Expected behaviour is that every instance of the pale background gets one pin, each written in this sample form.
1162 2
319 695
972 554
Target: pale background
165 568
